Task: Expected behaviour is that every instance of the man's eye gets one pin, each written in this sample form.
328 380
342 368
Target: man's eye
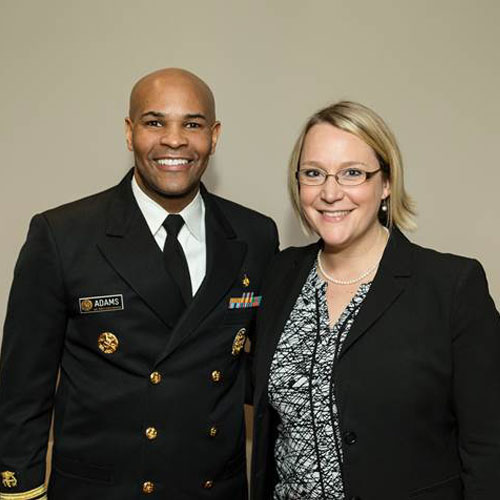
193 125
153 123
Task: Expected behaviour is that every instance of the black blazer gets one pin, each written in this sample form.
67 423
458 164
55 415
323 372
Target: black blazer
183 379
417 380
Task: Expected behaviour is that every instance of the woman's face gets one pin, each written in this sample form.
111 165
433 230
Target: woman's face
341 215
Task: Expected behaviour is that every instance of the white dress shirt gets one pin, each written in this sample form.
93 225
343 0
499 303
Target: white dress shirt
191 236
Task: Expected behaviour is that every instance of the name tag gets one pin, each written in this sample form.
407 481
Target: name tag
101 303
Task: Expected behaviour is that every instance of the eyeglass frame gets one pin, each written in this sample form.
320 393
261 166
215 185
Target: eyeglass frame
369 174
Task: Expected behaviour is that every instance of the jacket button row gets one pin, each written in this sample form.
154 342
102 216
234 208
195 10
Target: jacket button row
350 438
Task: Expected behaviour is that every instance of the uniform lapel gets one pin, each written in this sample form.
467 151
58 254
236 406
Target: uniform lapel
130 248
278 302
225 255
389 283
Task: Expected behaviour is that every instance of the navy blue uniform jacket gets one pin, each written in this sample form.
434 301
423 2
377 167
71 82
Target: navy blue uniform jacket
183 381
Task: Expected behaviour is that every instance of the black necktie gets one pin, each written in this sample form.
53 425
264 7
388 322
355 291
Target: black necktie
174 258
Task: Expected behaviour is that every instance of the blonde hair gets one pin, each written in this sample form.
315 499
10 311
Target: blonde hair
364 123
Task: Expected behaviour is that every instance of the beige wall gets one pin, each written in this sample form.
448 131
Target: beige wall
429 67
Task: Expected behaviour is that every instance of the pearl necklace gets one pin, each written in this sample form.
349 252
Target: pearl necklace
355 280
342 282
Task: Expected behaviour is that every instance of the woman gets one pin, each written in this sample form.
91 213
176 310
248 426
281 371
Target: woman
377 366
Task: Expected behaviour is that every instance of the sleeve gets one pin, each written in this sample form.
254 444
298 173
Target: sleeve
273 245
29 362
476 351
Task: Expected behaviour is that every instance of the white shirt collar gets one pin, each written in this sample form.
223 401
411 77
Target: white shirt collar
155 215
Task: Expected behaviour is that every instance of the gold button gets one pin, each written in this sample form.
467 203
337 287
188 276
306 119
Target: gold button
213 431
148 487
108 342
151 433
155 378
208 484
216 376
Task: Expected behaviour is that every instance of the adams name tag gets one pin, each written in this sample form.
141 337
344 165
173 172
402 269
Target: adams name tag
101 303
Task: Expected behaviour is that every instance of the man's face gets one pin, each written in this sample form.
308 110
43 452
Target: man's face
172 134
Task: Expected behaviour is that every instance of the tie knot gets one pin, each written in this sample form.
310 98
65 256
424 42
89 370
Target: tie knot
173 224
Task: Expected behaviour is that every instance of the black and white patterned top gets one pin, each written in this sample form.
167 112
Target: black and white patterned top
308 449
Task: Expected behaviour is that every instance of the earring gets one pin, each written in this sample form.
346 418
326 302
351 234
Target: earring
384 205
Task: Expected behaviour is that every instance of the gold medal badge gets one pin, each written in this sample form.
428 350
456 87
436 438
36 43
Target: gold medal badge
108 342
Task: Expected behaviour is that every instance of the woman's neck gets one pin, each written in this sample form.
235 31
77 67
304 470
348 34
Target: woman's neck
356 258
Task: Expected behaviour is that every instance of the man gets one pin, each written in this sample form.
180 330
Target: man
144 318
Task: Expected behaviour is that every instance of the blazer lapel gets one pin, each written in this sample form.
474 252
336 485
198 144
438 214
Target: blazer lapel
388 284
131 249
278 302
225 255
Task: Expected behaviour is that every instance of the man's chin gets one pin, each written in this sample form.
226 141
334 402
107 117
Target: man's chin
177 193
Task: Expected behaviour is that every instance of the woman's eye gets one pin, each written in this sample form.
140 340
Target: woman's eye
351 172
311 172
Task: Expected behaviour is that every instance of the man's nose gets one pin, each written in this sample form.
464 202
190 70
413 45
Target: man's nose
174 136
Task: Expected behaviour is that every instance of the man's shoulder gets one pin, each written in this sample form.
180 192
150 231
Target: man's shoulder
84 216
88 203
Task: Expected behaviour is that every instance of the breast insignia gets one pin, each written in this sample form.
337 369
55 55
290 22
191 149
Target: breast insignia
108 342
239 341
9 479
86 305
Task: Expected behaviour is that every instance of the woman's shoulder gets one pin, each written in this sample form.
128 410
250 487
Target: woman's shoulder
451 269
433 258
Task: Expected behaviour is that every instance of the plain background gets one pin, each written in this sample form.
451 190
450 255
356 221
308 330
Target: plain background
429 67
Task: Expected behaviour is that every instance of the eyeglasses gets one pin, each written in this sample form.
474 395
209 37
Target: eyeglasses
352 176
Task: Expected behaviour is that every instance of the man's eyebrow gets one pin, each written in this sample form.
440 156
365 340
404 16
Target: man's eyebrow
156 114
192 116
188 116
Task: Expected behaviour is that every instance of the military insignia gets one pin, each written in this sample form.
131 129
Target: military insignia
108 342
101 303
246 300
9 479
239 341
86 305
245 281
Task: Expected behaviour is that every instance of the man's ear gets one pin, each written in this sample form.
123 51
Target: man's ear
129 132
216 128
